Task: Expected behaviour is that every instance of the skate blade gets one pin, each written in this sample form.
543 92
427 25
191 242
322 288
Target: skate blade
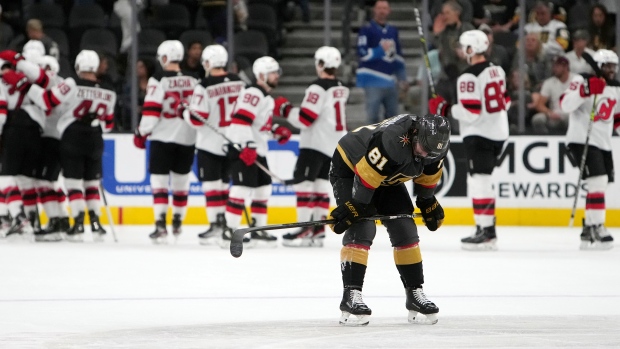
160 241
428 319
484 246
208 241
51 237
263 244
357 320
596 246
16 238
75 238
98 237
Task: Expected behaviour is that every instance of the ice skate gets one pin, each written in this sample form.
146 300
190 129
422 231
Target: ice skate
303 237
484 239
353 304
227 237
160 235
76 233
262 238
63 225
418 303
95 227
214 232
21 229
176 225
318 236
596 237
5 225
50 233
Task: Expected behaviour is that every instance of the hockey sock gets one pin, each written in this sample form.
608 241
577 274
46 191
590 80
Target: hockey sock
595 200
179 184
93 201
13 200
259 204
408 261
303 191
236 204
47 196
4 184
321 198
29 193
483 199
61 198
159 187
353 261
76 195
215 197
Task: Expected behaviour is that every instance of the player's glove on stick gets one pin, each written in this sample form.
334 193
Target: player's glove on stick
432 212
281 133
11 56
349 213
592 86
282 107
139 140
438 105
248 154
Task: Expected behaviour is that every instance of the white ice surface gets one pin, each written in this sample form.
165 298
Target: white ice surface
538 291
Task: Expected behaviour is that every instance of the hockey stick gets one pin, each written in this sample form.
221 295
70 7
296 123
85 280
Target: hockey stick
236 244
107 211
586 56
427 62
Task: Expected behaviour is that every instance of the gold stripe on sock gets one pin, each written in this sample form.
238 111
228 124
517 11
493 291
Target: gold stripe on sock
407 255
353 254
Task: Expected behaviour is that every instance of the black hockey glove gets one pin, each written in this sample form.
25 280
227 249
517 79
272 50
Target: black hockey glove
347 214
432 212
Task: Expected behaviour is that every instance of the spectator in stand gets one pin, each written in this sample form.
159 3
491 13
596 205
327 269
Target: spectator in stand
6 33
602 31
552 33
577 63
191 63
550 119
502 13
447 29
381 64
34 31
496 54
145 68
538 67
214 12
514 81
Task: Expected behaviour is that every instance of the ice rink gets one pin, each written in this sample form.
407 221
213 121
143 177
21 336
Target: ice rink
537 291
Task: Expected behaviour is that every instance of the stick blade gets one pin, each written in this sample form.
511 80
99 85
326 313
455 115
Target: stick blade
236 242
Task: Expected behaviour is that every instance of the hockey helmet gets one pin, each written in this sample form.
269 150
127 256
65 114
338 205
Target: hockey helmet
49 63
215 55
87 61
265 65
33 50
171 49
476 39
603 56
329 55
432 132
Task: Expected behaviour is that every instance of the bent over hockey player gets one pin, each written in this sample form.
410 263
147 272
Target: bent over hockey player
322 120
212 103
172 139
369 168
481 112
251 124
86 108
589 94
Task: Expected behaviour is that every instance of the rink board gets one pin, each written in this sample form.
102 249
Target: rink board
535 184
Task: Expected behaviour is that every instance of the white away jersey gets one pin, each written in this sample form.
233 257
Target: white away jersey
554 36
38 76
321 116
607 110
251 119
164 93
76 99
482 102
213 99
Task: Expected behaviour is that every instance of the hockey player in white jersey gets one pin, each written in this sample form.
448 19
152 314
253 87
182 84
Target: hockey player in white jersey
212 103
590 96
172 139
250 127
86 109
481 111
322 120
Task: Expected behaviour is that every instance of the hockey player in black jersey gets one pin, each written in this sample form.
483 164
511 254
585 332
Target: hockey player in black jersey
368 171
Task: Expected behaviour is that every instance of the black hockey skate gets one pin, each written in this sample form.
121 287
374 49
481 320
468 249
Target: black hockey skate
63 225
160 235
5 225
76 233
95 227
227 237
262 238
484 239
418 303
305 237
176 225
21 229
595 237
50 233
353 304
214 232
